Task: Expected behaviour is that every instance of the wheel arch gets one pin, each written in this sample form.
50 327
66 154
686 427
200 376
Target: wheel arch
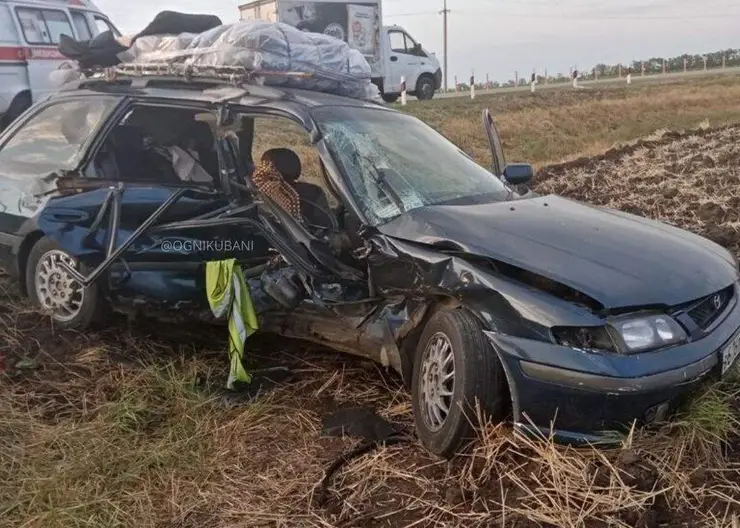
24 250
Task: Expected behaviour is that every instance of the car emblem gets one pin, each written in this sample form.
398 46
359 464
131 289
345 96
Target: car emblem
717 302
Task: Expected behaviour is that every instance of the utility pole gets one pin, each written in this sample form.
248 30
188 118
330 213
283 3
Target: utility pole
445 11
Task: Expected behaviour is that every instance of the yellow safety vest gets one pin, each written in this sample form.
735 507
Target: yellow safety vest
228 293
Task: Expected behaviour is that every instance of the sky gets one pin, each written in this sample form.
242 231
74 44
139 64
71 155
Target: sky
499 37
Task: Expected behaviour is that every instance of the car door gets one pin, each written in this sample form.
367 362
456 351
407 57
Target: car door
404 63
165 262
41 28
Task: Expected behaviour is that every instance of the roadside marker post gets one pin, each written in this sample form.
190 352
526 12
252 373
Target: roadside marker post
472 87
403 91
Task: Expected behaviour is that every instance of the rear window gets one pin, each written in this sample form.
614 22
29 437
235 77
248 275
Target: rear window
43 26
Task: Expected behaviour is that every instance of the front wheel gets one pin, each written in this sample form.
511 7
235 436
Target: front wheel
425 88
52 288
454 367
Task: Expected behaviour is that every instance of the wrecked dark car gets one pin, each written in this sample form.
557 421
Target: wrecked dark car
407 252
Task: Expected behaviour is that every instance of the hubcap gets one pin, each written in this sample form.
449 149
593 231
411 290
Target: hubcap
58 293
437 381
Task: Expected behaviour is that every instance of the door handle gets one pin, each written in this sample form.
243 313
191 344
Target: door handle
394 59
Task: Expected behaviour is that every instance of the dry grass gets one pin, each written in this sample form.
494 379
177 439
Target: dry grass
126 427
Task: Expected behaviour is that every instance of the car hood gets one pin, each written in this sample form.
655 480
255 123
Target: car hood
618 259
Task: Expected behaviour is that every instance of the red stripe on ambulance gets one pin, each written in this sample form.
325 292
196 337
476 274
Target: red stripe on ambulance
16 54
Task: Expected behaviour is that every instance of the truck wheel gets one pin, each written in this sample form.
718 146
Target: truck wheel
425 88
53 290
454 366
390 98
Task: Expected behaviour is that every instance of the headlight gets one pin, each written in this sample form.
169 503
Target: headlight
627 335
649 332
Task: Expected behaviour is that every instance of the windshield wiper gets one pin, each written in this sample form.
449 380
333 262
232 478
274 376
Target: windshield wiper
379 178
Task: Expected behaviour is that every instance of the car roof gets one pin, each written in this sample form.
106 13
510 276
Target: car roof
176 89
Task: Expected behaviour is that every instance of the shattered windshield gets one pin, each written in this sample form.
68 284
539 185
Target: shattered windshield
394 163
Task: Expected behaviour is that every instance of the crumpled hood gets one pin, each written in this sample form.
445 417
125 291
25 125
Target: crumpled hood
618 259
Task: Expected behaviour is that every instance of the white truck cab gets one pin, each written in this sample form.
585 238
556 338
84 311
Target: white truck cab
393 54
406 59
29 36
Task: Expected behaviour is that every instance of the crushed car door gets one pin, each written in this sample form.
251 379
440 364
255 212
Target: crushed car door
158 211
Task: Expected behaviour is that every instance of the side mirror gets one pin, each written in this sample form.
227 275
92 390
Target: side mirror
518 173
417 48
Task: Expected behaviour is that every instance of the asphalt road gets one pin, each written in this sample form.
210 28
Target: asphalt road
636 79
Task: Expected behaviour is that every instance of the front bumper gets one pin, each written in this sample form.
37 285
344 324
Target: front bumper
585 397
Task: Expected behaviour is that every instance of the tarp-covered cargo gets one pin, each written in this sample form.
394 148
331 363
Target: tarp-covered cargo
272 52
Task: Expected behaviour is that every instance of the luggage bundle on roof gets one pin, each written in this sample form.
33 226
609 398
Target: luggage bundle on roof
250 51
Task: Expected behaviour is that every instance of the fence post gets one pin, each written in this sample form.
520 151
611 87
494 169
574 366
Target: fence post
456 85
685 63
705 63
472 86
403 91
663 66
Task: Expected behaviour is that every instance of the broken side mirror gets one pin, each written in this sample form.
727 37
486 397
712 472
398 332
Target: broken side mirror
518 173
498 162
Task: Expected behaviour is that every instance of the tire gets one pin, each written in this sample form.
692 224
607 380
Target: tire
20 104
88 308
477 376
425 88
390 98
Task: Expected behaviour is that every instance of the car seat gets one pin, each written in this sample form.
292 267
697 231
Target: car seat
289 165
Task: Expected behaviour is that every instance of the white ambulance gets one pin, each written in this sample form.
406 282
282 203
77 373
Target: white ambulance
29 36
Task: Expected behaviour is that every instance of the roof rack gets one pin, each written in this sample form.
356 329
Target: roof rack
236 75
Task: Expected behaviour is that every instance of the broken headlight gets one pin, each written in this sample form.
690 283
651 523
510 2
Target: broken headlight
628 335
648 333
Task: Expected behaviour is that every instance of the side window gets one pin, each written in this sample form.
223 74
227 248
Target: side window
55 138
158 144
398 41
80 21
43 26
102 25
270 133
33 26
8 33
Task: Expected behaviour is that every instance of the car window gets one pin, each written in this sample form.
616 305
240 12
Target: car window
80 21
393 163
43 26
8 33
398 41
55 138
103 25
158 144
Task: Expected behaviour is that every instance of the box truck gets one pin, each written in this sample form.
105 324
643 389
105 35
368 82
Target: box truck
393 54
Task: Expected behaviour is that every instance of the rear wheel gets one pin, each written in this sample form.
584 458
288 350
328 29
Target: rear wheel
454 367
52 288
425 88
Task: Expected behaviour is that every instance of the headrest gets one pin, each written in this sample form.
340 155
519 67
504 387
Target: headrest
286 162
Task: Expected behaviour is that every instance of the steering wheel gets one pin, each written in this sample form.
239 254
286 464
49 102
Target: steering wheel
332 218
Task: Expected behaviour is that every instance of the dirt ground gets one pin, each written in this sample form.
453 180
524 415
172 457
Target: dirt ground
127 426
